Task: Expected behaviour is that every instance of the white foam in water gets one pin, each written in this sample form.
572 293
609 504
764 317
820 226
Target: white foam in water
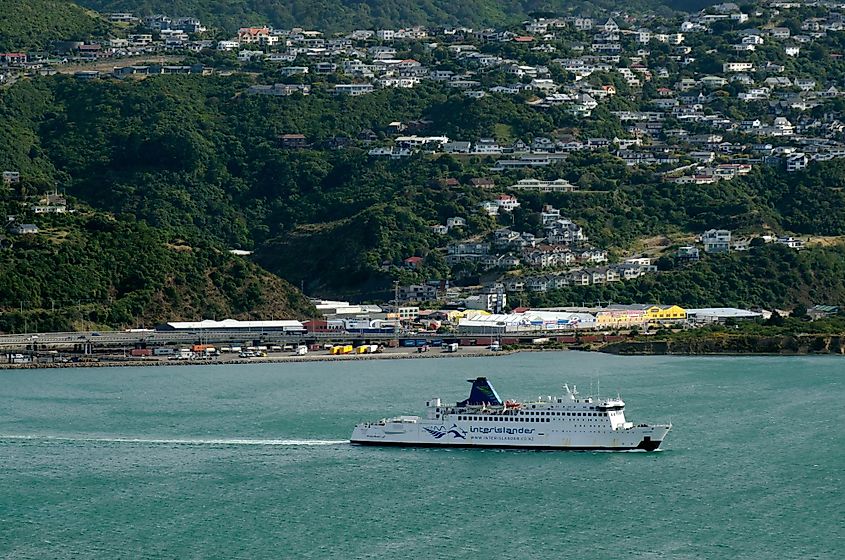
300 442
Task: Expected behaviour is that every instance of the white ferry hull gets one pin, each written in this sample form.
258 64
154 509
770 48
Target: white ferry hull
485 420
462 434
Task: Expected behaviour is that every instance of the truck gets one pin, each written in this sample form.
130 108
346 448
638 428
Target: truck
452 347
301 350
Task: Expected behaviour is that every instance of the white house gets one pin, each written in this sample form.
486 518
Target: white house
716 241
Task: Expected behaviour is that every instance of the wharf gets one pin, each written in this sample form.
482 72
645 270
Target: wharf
390 354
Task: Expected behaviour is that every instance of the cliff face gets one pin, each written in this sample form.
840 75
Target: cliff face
740 344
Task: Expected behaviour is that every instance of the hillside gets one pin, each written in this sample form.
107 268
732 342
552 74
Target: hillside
92 268
345 15
769 276
33 24
194 157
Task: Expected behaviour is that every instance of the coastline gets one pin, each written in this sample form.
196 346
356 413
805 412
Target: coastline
128 362
732 345
736 345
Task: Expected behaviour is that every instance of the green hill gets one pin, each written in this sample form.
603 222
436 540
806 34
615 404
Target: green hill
33 24
114 271
192 158
340 15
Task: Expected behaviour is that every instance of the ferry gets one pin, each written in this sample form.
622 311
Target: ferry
568 422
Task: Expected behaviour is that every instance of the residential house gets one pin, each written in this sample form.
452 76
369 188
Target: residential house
716 241
413 262
796 161
353 89
24 229
417 292
558 185
507 203
293 141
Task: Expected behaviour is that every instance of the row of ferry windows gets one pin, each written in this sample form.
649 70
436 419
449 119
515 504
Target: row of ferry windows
530 419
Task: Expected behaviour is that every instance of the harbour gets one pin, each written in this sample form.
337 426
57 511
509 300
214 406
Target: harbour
237 461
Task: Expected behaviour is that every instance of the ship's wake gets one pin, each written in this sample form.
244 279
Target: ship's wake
176 441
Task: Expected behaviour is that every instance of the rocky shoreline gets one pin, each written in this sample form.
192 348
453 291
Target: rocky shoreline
798 345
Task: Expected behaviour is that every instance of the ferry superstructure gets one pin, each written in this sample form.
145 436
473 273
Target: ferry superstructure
569 422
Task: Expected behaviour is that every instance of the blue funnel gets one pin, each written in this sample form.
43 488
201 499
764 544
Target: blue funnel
482 392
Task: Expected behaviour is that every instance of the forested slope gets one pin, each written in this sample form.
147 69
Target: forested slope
93 268
194 160
34 24
345 15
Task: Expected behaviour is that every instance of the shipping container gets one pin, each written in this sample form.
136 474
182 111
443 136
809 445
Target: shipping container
201 347
315 347
140 352
163 351
566 339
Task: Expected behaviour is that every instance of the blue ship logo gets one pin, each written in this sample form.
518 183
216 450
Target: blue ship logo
441 431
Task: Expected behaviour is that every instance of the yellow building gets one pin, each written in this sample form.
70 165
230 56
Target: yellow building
639 315
616 319
665 314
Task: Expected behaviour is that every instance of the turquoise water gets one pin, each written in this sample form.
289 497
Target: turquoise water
249 462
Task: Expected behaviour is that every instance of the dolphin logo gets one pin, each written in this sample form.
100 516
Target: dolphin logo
441 431
456 432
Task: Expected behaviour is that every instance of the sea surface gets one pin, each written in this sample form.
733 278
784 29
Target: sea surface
251 461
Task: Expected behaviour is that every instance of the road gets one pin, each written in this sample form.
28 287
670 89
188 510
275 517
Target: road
160 338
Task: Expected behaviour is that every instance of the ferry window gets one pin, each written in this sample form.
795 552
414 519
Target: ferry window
437 416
